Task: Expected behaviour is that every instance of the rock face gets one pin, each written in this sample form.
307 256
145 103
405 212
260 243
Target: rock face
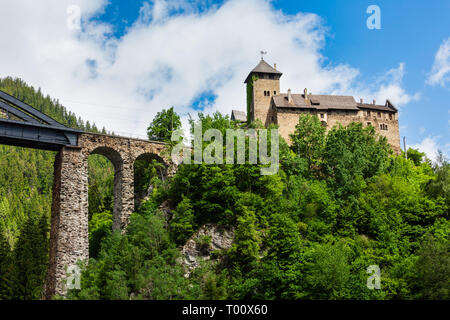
199 247
166 209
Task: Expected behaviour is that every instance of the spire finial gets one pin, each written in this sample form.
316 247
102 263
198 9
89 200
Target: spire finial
262 54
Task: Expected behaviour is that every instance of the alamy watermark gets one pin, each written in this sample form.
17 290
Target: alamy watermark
213 153
374 280
374 20
73 280
73 21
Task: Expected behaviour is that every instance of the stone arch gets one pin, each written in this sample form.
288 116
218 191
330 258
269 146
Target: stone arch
112 155
118 162
150 156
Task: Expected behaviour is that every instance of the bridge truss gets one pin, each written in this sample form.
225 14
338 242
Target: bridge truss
25 126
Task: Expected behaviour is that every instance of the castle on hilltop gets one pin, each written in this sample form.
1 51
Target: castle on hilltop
266 103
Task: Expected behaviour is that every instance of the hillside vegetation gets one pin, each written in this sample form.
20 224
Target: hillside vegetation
339 203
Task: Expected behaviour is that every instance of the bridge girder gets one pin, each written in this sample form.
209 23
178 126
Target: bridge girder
35 130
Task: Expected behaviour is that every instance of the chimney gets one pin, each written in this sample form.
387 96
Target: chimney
275 66
289 96
305 93
374 101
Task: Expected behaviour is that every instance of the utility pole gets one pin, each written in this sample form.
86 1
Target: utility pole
404 147
172 119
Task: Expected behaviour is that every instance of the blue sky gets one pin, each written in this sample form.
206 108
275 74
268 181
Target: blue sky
147 55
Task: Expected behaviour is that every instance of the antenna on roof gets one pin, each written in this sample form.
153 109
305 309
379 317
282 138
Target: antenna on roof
262 54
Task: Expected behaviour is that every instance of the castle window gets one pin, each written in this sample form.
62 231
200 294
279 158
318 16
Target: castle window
321 116
369 123
390 116
379 114
368 113
273 119
274 93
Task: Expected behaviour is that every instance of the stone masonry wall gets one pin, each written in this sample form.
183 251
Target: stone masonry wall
287 120
261 103
69 241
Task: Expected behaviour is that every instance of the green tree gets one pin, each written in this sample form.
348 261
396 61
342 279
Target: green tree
183 223
353 153
246 245
415 155
162 126
308 139
328 272
100 226
30 259
433 268
7 281
440 185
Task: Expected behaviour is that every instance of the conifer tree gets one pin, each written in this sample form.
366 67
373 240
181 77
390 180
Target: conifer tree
6 270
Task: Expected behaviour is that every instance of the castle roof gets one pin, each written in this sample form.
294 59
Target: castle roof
237 115
388 106
327 102
262 67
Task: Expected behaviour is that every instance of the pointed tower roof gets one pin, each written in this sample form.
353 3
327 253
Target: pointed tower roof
262 67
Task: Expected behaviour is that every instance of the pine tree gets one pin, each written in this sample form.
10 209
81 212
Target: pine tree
31 256
6 270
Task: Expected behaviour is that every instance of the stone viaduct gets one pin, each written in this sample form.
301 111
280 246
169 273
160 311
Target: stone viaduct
69 240
24 126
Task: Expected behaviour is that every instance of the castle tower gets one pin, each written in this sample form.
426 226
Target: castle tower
263 82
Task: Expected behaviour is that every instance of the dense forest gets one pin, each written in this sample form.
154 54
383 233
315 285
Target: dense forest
340 202
26 181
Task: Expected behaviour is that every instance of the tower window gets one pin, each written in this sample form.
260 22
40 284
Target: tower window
390 116
368 113
321 115
274 93
379 114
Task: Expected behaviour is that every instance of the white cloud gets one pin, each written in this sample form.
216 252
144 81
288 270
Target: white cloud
387 86
171 55
441 67
430 146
